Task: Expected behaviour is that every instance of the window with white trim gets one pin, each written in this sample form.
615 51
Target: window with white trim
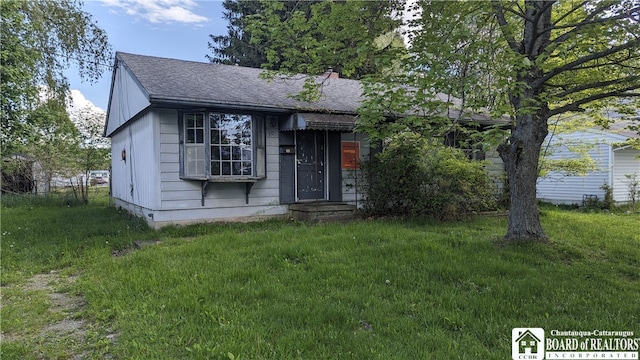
222 146
194 145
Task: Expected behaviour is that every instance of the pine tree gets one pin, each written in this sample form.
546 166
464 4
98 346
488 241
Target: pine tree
235 47
304 36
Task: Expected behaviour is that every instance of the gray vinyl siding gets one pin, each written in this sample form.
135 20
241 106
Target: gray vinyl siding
495 168
170 183
134 180
127 99
626 162
557 187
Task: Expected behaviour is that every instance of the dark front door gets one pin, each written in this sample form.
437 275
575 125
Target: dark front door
310 152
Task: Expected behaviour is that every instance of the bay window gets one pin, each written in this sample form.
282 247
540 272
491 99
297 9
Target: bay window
220 146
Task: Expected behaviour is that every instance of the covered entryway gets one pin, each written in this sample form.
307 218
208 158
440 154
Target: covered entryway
310 165
310 158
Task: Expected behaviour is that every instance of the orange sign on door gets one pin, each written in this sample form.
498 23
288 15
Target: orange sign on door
351 155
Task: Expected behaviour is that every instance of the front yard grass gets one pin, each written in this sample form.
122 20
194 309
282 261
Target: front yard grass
284 290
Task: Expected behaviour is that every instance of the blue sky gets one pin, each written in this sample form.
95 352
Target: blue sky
169 28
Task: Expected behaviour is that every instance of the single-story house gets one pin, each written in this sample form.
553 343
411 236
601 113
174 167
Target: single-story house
195 141
615 162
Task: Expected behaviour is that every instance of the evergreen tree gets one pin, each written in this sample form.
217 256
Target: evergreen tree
311 37
235 47
304 36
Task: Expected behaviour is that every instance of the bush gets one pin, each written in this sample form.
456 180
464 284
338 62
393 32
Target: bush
414 177
608 203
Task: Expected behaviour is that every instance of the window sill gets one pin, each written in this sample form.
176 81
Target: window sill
232 179
226 179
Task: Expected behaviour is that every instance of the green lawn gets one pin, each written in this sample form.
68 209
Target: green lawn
384 289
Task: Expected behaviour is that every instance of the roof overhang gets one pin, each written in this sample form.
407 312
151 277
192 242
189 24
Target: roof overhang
319 121
617 147
177 102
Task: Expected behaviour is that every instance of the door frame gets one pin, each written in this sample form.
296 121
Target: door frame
325 172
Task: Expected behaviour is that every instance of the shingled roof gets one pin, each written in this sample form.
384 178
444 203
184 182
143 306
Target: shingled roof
173 81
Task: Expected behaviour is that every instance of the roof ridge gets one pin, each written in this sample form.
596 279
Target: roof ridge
245 68
181 60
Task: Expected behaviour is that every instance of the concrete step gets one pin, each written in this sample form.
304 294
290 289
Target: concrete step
322 211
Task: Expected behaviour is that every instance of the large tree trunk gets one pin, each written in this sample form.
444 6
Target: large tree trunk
522 150
520 155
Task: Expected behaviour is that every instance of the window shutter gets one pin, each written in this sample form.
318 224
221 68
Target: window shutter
181 143
260 146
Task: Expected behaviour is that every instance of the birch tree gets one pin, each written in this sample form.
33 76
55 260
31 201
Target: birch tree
40 40
93 151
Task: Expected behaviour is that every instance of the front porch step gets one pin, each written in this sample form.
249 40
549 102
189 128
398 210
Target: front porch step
322 211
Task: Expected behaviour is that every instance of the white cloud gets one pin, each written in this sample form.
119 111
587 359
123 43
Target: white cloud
88 118
158 11
79 102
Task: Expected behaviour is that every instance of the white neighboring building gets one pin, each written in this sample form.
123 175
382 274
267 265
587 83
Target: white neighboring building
613 159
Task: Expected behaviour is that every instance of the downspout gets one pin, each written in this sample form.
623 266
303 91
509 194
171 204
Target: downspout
610 171
111 184
355 171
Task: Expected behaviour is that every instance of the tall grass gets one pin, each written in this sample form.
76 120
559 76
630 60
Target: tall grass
368 289
57 197
43 233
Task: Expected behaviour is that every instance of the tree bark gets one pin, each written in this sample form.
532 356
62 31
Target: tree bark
521 152
520 155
